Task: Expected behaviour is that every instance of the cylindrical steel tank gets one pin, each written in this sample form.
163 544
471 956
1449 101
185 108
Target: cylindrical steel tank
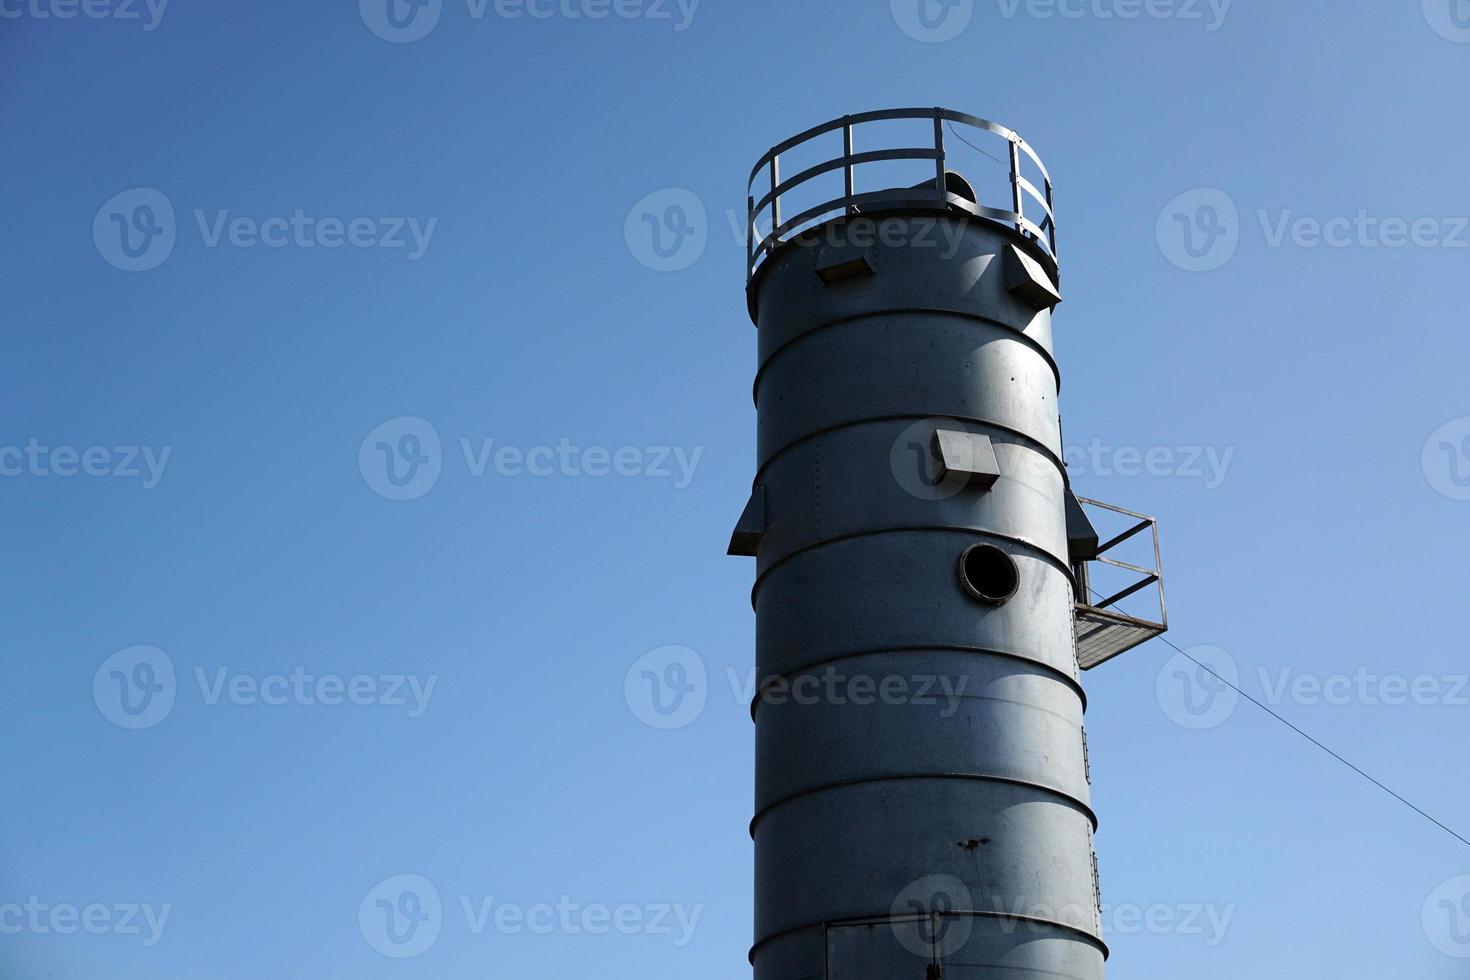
922 804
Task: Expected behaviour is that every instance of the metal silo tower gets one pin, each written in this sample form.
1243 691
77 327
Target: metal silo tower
922 597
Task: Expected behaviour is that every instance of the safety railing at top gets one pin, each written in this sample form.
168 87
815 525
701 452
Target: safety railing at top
1043 233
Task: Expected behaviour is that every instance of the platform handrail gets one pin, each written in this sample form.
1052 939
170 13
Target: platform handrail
758 246
1150 576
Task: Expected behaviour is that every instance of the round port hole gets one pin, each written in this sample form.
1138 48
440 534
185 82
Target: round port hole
989 574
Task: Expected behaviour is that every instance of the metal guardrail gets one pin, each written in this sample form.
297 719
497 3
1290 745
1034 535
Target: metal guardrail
1102 631
759 246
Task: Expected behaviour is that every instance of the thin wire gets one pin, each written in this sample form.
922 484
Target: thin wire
972 146
1309 738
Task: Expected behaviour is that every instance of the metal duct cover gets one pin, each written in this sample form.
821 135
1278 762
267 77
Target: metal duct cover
968 454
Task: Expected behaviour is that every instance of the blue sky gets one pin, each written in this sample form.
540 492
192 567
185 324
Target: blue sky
346 229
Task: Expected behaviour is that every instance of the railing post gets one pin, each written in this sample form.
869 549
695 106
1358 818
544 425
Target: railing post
1159 572
1051 206
847 175
775 198
1018 203
939 153
750 233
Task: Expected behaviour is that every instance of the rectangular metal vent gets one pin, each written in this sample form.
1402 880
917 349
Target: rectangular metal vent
1026 278
836 263
746 538
969 454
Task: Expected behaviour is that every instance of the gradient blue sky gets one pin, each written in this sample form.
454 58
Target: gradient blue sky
1335 543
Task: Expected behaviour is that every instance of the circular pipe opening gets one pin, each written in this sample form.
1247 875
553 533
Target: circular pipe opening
989 574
